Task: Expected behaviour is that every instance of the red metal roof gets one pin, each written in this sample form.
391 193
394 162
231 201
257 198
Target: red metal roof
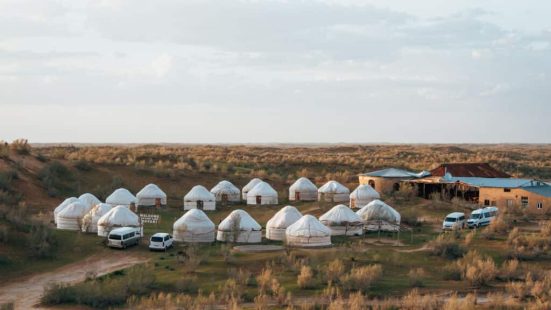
481 170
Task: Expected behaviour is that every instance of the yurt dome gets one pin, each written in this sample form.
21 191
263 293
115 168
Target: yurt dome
121 197
377 215
276 226
308 232
333 191
151 195
194 226
262 194
62 206
90 220
199 198
252 183
225 192
119 216
342 221
89 200
248 230
70 218
363 195
303 190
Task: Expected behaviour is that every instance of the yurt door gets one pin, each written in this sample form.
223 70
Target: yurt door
157 202
200 204
297 196
258 200
224 199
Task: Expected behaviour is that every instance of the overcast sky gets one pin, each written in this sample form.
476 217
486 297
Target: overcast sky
275 71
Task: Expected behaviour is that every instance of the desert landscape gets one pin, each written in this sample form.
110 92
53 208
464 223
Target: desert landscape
499 266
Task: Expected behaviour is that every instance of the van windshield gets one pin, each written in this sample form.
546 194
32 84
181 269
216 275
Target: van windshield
475 216
157 239
115 237
451 219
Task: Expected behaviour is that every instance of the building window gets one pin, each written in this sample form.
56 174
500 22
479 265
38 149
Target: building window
524 201
539 205
487 202
507 190
510 203
493 203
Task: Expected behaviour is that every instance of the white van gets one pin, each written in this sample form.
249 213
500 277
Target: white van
482 217
454 220
160 241
124 237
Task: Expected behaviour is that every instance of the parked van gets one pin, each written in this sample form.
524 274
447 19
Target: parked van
455 220
160 241
124 237
482 217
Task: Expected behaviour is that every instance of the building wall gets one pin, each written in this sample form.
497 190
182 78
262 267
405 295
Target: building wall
382 185
499 198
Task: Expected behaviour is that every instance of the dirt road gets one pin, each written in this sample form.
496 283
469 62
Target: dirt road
26 292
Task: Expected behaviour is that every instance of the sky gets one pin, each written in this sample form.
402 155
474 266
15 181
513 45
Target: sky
394 71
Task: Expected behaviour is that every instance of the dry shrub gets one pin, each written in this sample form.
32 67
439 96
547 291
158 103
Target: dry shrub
334 271
446 246
538 290
527 246
473 268
498 226
331 292
230 290
361 278
414 301
264 280
509 270
499 300
261 302
356 301
470 237
306 277
457 303
416 277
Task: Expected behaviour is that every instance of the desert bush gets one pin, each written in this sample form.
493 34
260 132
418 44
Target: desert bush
497 227
416 277
264 280
21 146
509 270
456 303
446 246
187 284
42 243
83 165
475 269
469 237
306 277
230 290
334 271
261 302
361 278
4 149
57 179
6 179
527 246
414 300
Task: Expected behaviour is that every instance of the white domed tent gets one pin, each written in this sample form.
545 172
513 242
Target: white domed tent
199 198
226 192
241 227
342 221
70 218
308 232
303 190
252 183
119 216
363 195
377 215
262 194
194 226
62 206
151 196
333 191
276 226
89 200
121 197
90 220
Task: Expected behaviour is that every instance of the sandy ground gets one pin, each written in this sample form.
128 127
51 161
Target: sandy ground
26 292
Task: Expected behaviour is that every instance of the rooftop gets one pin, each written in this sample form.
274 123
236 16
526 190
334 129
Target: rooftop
482 170
496 182
395 173
539 190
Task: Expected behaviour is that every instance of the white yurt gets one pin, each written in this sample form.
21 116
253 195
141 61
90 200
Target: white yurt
377 215
363 195
151 196
262 194
62 206
70 218
239 226
333 191
199 198
119 216
308 232
342 221
252 183
90 220
276 226
121 197
89 200
194 226
226 192
303 190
